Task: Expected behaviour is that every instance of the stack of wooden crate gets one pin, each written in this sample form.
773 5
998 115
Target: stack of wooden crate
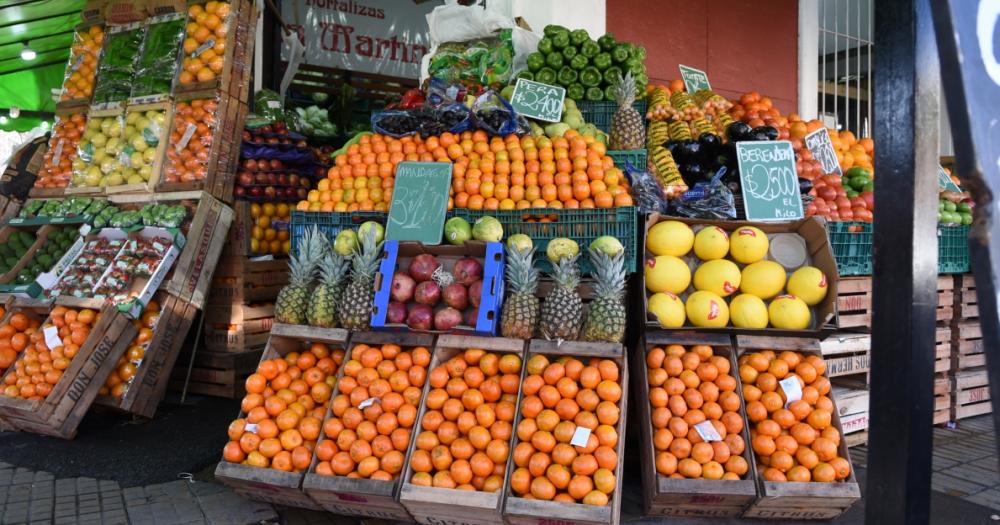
971 388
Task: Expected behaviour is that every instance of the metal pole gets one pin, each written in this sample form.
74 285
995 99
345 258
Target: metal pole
907 85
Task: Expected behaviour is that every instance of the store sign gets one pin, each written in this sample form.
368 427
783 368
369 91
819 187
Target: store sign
388 37
769 182
538 101
819 144
419 202
945 182
694 79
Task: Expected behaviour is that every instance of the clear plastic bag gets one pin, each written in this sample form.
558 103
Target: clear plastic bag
426 121
707 200
83 61
483 62
190 143
60 159
159 60
495 115
208 28
117 71
646 190
121 148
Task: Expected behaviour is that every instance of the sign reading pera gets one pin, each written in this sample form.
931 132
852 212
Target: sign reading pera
538 101
419 202
770 184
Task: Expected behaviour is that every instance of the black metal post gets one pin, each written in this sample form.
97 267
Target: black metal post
905 264
971 78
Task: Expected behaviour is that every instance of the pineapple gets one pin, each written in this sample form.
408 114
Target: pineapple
293 300
355 307
321 312
563 309
520 313
606 315
627 129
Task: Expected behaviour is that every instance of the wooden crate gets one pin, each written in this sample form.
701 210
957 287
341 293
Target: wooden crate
846 353
852 406
967 345
265 484
149 385
235 76
237 327
365 497
432 506
972 393
966 302
218 374
854 301
192 275
61 412
942 398
243 280
794 500
665 496
523 511
238 242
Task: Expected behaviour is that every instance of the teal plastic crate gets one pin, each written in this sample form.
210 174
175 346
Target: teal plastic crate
953 249
581 225
637 157
330 223
852 247
601 113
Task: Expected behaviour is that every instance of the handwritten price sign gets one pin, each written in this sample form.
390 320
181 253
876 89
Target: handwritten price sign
695 80
770 184
419 202
538 101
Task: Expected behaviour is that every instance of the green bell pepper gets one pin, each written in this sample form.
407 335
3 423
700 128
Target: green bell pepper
576 91
552 29
545 45
566 76
590 49
635 66
578 37
607 42
602 61
638 52
578 62
546 75
620 53
612 74
536 61
525 74
609 93
554 60
641 78
590 76
569 52
594 94
560 40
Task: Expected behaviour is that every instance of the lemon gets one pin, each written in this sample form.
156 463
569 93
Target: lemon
667 308
765 279
670 238
711 243
748 245
707 310
789 312
748 311
666 273
720 276
809 284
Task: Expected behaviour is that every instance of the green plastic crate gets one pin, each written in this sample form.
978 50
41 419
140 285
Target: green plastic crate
601 113
330 223
581 225
953 249
637 157
852 247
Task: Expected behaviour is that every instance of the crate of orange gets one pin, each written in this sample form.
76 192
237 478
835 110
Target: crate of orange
687 382
78 84
569 436
465 431
271 442
360 458
218 47
63 361
803 468
61 155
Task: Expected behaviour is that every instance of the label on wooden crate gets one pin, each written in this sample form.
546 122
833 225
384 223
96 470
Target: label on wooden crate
792 389
580 437
854 423
707 431
848 365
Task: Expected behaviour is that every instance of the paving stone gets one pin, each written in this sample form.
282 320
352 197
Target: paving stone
989 498
955 486
65 520
43 476
40 522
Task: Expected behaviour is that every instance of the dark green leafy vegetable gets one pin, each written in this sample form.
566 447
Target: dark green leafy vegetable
116 72
157 65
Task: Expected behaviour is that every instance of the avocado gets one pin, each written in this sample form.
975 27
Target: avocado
11 261
858 171
26 238
45 260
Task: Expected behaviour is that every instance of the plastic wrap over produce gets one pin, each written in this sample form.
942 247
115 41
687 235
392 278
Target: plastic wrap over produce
117 70
190 144
207 35
59 160
158 63
120 149
82 67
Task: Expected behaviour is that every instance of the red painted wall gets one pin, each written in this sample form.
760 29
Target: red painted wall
743 45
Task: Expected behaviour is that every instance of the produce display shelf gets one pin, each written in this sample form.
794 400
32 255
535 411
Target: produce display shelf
601 113
852 247
953 249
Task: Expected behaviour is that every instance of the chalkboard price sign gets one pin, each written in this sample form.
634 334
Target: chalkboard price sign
419 202
694 79
769 182
819 144
945 182
538 101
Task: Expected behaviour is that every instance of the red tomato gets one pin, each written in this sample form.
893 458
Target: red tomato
832 180
864 215
811 209
858 202
826 193
843 203
869 198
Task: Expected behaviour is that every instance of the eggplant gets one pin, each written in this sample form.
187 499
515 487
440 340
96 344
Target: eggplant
695 171
710 143
770 132
759 135
687 152
805 186
738 131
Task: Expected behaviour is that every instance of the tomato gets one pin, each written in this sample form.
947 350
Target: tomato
826 193
832 180
843 203
869 198
858 202
811 209
864 215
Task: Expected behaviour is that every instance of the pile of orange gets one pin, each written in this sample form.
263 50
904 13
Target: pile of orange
796 442
557 398
79 82
285 405
508 173
205 42
688 388
190 163
56 173
40 367
368 431
14 337
265 238
125 369
466 430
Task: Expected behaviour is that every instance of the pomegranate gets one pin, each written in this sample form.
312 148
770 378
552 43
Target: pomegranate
427 292
467 271
402 287
472 316
396 313
422 267
447 319
475 293
420 317
456 296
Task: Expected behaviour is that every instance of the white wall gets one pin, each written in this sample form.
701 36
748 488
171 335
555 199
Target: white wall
573 14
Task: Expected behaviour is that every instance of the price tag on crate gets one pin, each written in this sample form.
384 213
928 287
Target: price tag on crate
538 101
819 144
769 181
419 202
694 79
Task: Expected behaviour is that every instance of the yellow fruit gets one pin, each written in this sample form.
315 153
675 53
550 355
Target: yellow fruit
765 279
667 308
748 245
809 284
705 309
719 276
666 273
789 312
670 238
711 243
748 311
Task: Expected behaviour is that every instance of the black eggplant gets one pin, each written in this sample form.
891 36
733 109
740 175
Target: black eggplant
805 186
738 131
687 152
770 132
695 172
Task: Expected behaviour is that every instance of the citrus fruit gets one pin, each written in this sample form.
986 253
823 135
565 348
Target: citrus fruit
666 273
668 309
711 242
748 311
718 276
789 312
748 245
765 279
457 230
809 284
607 244
706 309
670 238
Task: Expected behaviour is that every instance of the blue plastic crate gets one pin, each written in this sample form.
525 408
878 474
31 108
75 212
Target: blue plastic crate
953 249
491 255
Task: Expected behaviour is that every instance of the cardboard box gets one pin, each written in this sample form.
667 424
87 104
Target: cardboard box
144 287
